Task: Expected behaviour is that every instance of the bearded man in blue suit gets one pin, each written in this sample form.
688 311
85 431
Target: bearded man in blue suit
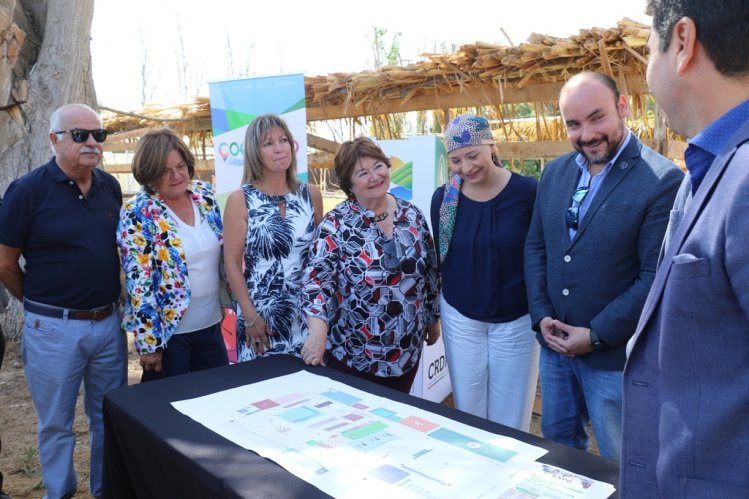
590 258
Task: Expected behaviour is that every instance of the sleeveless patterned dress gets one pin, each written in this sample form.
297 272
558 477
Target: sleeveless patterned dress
275 250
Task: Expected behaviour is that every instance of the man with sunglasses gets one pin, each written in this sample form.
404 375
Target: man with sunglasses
590 257
62 218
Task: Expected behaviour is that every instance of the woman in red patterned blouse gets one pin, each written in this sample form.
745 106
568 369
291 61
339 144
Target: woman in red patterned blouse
370 287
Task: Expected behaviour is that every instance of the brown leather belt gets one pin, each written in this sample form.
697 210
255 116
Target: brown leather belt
96 314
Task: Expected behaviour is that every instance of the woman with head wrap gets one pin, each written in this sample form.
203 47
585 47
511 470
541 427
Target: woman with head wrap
480 218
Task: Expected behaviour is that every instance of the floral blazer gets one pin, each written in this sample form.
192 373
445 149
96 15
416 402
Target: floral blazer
153 260
377 295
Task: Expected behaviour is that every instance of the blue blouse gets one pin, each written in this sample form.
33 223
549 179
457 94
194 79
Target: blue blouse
482 276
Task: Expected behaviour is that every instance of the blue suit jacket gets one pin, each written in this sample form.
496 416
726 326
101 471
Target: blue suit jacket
686 383
600 278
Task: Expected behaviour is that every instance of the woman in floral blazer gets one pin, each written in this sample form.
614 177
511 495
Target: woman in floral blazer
171 244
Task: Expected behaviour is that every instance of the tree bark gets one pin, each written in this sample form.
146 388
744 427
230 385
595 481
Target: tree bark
12 39
45 62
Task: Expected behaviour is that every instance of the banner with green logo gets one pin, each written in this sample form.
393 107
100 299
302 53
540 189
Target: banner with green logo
235 103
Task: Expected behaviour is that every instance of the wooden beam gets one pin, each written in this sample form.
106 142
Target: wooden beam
197 125
127 135
120 146
117 168
143 116
548 149
201 165
429 99
533 150
320 164
553 148
322 144
128 140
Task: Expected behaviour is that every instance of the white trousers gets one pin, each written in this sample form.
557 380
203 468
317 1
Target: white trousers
493 367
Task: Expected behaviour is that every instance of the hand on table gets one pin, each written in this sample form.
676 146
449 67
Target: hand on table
313 351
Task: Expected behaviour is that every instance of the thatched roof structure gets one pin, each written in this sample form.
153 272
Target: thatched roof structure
494 73
505 74
490 76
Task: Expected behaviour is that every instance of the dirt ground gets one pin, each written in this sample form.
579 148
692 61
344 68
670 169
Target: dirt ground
19 460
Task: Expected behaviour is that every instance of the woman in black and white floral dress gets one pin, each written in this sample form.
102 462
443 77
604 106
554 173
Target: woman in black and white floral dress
269 224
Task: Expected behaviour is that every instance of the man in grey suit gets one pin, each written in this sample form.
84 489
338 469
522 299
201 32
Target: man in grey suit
590 258
686 390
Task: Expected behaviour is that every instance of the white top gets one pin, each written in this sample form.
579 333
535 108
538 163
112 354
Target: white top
202 254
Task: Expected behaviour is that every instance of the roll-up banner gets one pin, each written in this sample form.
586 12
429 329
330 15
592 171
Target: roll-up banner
235 103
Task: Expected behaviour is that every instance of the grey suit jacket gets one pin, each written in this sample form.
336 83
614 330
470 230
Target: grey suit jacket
686 382
600 278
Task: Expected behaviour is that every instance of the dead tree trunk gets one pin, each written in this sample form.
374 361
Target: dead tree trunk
45 62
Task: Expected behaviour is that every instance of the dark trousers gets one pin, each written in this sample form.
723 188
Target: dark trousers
189 352
401 383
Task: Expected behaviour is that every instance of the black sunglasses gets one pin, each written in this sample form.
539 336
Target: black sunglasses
79 135
572 216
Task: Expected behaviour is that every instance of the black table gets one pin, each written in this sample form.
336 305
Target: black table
151 450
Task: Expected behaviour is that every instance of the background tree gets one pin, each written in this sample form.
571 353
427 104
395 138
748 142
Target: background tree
148 86
383 54
45 62
384 126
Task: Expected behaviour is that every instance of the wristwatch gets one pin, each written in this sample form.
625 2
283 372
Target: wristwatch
598 344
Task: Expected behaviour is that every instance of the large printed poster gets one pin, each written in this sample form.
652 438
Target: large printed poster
350 443
235 103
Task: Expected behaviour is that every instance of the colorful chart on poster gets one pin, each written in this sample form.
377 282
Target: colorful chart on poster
351 443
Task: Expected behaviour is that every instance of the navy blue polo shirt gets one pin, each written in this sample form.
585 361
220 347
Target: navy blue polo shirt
67 239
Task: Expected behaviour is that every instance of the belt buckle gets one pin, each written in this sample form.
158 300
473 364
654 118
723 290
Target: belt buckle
100 313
